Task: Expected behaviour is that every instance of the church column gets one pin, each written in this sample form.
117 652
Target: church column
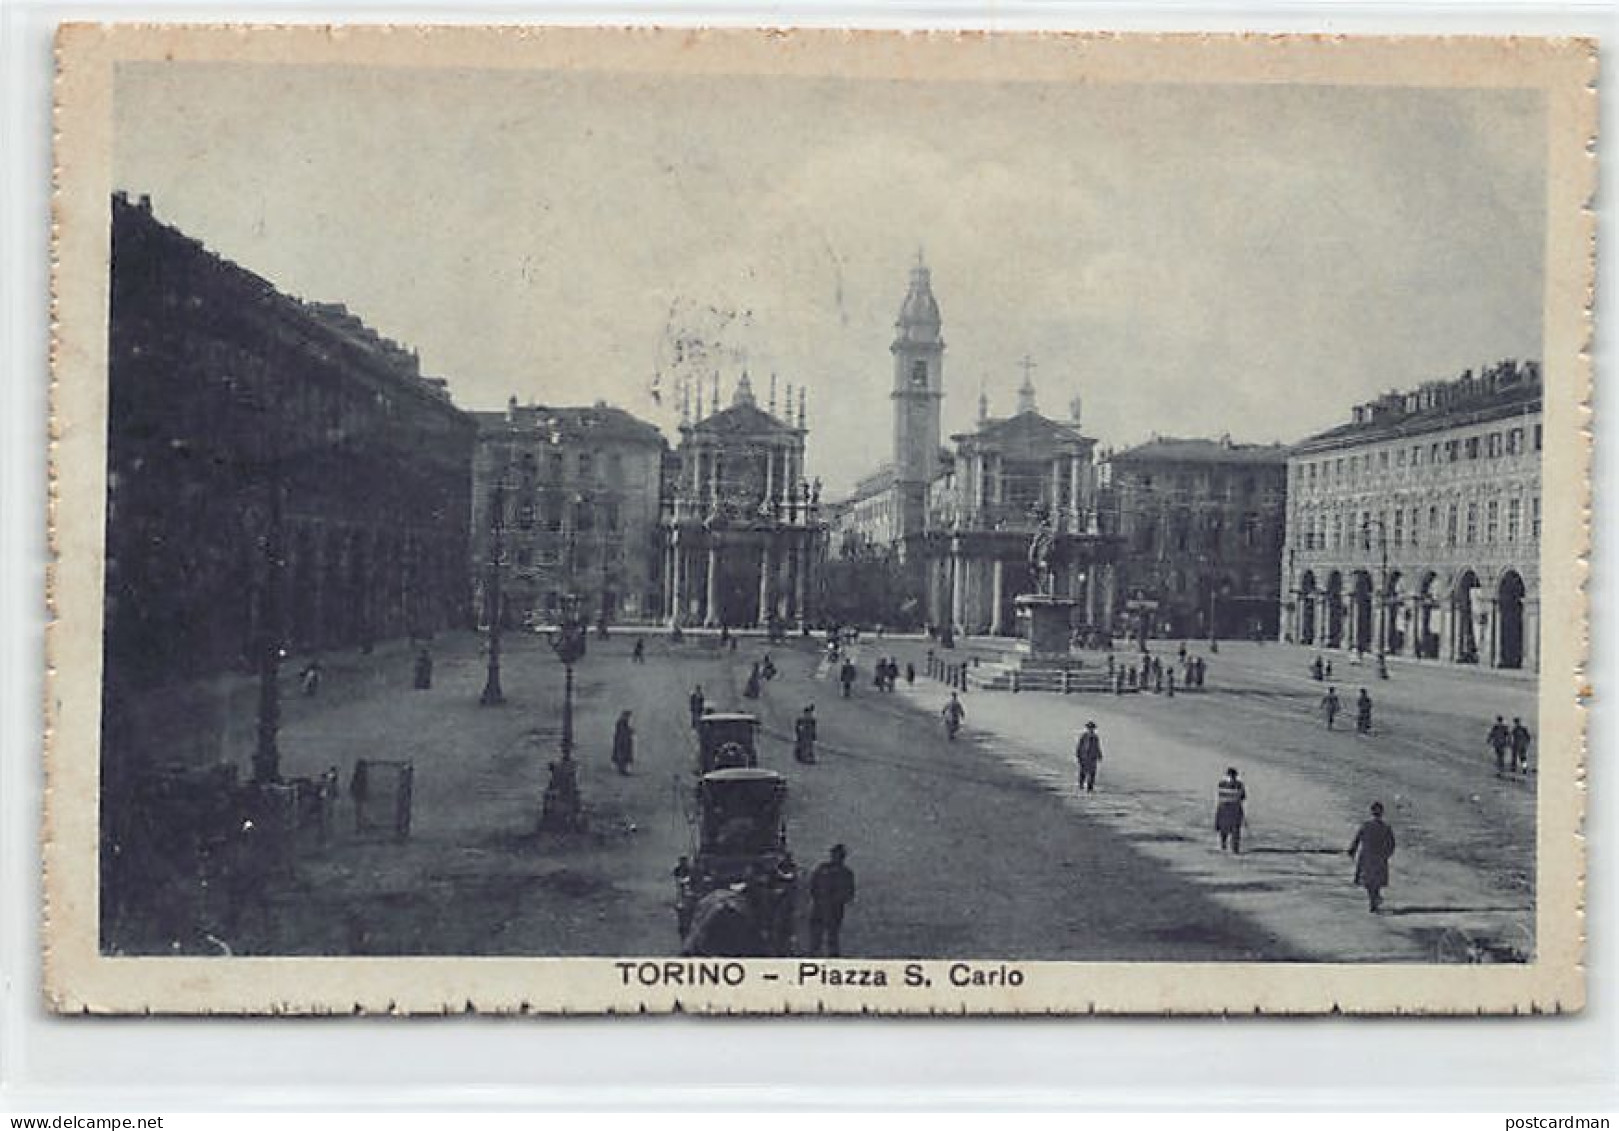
801 580
1075 504
958 612
712 587
764 582
995 624
677 583
770 479
1056 491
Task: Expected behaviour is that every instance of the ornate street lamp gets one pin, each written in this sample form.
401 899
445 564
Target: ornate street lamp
561 809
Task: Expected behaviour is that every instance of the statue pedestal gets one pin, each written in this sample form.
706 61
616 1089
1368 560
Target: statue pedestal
1045 625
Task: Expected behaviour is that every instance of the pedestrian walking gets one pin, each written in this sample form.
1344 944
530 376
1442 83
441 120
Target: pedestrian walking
754 684
695 702
1169 683
623 744
954 712
1372 848
424 669
1520 746
1500 740
1363 713
804 735
910 673
1330 706
309 678
831 892
638 655
1088 753
359 787
768 667
1228 814
846 676
1317 670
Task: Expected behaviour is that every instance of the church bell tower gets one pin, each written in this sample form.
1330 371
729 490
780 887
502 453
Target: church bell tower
918 390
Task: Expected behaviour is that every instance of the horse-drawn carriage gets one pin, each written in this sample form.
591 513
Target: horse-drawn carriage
737 895
727 741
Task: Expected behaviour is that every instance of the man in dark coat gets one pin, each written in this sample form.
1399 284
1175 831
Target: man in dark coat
1228 812
1363 713
804 735
831 890
1329 706
623 744
846 676
695 702
1520 746
1088 752
1372 848
1500 741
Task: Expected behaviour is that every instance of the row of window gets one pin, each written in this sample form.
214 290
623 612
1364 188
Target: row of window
1182 534
584 556
586 466
552 511
1354 468
1454 524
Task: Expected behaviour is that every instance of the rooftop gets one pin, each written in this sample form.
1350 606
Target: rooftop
1505 389
1173 449
596 422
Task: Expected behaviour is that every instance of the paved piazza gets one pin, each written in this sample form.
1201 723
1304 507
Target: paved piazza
980 847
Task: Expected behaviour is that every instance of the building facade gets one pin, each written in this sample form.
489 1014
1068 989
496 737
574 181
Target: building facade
1414 529
946 532
1200 525
276 470
1007 481
565 503
741 533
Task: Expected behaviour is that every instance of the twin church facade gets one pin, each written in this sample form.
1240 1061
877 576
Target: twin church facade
959 520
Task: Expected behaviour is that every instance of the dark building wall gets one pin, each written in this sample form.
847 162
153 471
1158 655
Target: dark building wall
246 426
1200 529
579 489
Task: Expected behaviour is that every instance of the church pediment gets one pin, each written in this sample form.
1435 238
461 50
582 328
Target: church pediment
1025 431
742 420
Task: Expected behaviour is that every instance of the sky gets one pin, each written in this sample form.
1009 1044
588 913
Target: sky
1191 260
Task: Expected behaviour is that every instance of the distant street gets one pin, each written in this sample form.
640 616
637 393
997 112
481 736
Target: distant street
978 847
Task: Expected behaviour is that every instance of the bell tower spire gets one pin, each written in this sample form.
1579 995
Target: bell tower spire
918 350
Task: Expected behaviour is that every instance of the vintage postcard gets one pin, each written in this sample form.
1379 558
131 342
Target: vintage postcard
570 521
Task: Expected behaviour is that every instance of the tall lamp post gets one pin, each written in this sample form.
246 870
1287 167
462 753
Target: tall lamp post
1380 636
561 809
492 695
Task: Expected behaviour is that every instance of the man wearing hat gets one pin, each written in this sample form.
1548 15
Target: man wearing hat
831 890
1089 755
1375 845
1228 814
804 735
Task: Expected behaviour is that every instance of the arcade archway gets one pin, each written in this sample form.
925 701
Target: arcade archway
1335 610
1509 596
1463 611
1307 599
1360 605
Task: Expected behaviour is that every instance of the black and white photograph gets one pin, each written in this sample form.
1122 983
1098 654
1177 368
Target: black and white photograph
818 522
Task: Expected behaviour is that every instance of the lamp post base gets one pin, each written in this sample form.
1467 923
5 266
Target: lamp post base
561 809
